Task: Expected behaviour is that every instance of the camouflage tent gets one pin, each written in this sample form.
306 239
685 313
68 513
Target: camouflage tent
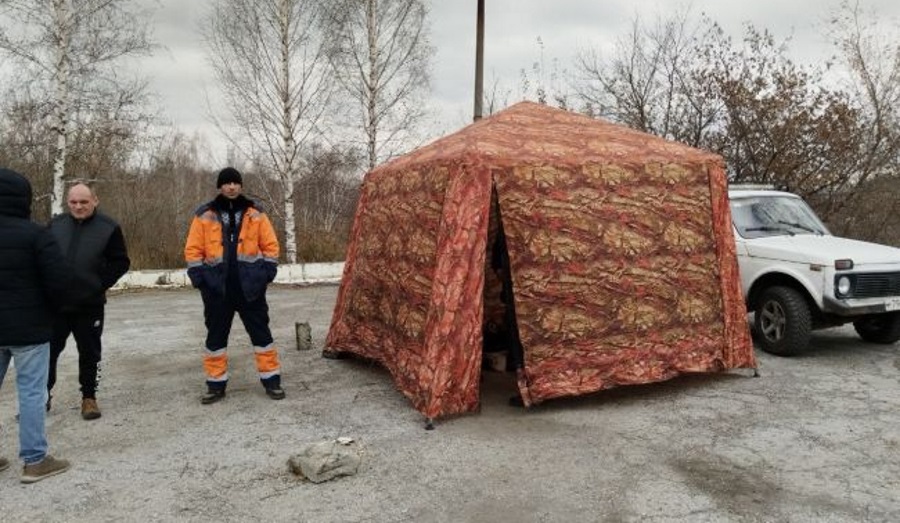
621 252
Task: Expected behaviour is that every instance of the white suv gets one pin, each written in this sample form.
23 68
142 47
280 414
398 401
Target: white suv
797 277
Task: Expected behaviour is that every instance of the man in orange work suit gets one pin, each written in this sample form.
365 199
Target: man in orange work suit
232 256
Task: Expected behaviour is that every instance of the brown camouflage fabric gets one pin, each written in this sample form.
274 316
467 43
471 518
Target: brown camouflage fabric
621 252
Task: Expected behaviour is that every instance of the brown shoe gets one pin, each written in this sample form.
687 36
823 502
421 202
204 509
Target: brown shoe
89 409
50 466
4 464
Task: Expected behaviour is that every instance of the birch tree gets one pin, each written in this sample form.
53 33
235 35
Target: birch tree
270 63
381 55
72 49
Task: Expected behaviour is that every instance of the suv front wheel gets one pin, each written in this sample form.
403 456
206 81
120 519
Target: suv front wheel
783 321
879 328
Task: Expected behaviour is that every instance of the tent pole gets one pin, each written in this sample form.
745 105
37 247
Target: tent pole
479 62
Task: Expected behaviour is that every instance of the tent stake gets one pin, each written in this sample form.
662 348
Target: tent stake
429 424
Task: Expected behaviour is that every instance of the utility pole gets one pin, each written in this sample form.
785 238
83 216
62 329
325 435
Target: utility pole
479 61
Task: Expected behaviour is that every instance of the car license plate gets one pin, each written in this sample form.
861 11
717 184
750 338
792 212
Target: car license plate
893 304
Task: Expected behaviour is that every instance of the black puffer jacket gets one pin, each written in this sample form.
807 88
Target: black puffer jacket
95 248
33 273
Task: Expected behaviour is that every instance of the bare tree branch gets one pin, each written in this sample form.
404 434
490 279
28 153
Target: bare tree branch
380 54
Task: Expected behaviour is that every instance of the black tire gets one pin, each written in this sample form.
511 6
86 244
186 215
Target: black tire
879 328
783 321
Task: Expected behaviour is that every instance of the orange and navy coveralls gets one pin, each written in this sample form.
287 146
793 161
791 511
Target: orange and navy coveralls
232 256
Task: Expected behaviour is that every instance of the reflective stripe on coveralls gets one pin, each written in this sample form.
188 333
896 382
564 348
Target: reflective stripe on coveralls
215 364
267 361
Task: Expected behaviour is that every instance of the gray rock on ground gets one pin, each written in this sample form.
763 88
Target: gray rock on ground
326 460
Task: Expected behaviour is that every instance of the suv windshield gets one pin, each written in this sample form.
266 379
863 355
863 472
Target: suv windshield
758 216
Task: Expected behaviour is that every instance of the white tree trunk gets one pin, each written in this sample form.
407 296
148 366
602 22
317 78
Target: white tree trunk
289 146
59 170
290 225
62 10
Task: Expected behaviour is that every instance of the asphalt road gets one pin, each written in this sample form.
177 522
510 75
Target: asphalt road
815 438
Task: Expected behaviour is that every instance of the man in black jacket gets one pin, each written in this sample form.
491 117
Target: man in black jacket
95 247
33 278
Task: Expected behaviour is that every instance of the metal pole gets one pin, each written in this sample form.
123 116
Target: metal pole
479 61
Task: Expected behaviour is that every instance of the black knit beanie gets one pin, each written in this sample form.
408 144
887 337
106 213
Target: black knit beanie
229 175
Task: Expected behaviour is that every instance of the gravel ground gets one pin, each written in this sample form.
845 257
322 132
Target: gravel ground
816 438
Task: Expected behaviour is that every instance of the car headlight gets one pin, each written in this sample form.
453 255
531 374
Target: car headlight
844 285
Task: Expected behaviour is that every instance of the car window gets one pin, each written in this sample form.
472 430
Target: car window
759 216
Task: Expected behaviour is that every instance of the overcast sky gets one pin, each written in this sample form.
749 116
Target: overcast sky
182 78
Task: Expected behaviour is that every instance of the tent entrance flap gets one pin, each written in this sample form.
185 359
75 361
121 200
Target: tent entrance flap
501 330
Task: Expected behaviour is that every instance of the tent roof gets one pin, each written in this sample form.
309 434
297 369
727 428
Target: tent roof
532 133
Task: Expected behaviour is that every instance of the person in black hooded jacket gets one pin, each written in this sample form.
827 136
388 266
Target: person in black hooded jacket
33 279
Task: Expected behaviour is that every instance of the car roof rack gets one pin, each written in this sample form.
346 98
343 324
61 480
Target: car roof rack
752 186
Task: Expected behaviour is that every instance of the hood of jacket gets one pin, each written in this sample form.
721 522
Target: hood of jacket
15 194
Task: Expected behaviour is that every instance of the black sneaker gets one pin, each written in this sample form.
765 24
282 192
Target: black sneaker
212 396
276 393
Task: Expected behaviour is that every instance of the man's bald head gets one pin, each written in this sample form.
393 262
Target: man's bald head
82 201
